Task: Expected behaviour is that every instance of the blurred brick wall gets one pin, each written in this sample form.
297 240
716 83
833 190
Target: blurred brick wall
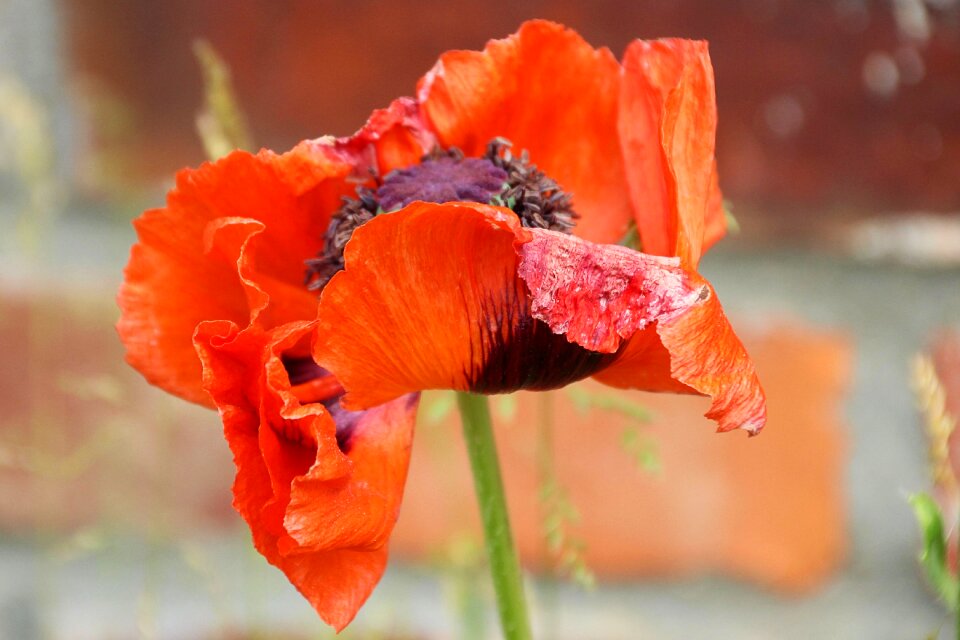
87 446
84 441
823 105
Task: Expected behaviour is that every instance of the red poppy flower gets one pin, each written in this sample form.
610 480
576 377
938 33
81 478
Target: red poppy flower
459 264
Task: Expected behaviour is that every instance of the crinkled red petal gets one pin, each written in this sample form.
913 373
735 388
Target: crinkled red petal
551 93
598 295
667 124
609 298
229 245
321 515
414 308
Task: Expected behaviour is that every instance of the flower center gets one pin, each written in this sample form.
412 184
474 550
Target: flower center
498 178
442 178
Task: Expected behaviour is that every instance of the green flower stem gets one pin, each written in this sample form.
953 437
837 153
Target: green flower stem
504 565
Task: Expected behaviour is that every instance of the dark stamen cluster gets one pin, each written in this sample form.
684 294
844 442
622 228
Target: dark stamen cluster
353 213
535 197
445 175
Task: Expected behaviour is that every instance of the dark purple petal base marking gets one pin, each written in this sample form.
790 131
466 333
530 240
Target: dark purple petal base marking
519 351
302 370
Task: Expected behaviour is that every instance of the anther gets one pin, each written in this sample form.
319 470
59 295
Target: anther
535 197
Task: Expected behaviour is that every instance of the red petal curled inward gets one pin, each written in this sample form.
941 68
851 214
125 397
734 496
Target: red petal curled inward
602 295
229 245
551 93
319 512
667 122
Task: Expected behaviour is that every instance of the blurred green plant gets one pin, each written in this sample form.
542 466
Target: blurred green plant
567 550
437 406
462 561
80 544
632 237
198 561
733 226
559 514
586 400
641 448
103 387
934 557
221 123
27 153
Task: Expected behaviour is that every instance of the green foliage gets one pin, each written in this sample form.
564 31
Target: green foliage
934 558
437 406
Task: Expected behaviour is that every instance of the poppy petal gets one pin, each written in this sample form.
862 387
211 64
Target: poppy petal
405 314
392 138
379 449
321 514
667 122
600 296
430 299
705 355
229 245
643 363
551 93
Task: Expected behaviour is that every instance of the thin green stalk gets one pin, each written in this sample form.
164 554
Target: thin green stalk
504 565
